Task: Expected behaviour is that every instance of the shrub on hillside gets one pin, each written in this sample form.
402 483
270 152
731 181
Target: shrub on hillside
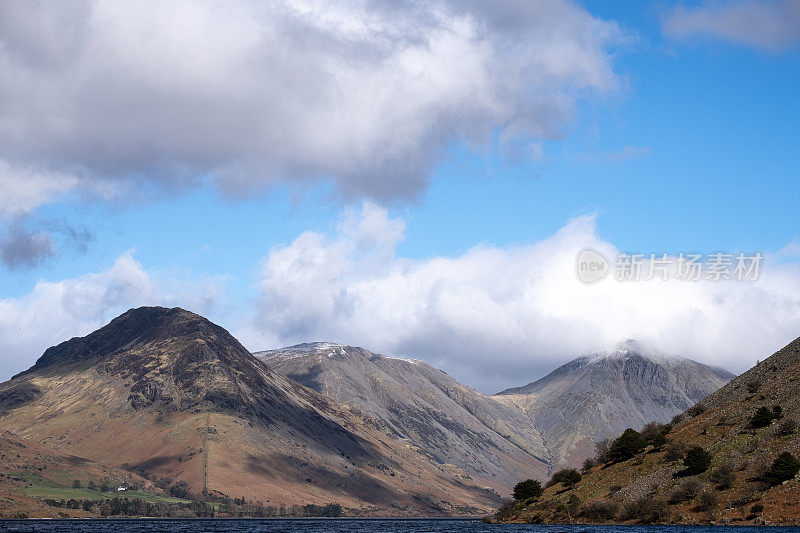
530 488
602 451
675 452
696 461
573 504
762 418
685 492
783 468
722 476
787 427
626 445
707 500
655 434
646 510
507 510
753 386
599 511
696 410
588 464
568 477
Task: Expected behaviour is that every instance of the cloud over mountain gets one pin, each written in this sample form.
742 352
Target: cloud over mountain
499 315
492 317
55 311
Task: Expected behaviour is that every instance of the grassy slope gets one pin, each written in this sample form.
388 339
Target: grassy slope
30 472
722 429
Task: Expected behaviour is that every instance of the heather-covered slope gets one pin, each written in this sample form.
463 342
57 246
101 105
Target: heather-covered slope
165 392
738 487
598 396
493 440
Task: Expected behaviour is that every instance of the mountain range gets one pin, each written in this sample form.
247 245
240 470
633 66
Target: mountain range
164 394
555 421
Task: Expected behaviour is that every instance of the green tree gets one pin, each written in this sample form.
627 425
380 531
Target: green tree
784 467
696 461
655 434
332 510
530 488
762 418
626 445
568 476
76 484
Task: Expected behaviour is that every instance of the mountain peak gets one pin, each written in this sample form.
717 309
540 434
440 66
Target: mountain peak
610 390
327 349
629 345
629 348
319 348
138 326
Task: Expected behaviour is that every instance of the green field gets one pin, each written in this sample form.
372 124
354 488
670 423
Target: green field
41 487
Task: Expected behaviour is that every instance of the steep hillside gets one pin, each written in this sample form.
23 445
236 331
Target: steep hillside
598 396
743 429
30 472
491 439
166 393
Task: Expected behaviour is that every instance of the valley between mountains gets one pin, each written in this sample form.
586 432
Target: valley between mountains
165 407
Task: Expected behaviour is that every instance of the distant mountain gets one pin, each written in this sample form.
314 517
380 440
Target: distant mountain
599 395
492 439
741 486
166 393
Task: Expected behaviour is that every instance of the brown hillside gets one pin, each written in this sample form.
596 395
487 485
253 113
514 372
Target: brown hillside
732 490
30 471
166 393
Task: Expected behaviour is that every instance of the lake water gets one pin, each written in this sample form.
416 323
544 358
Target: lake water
342 525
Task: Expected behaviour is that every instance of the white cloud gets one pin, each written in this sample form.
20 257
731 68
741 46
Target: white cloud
767 24
56 311
500 316
25 188
105 94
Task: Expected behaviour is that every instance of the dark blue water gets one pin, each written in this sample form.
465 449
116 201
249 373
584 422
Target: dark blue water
342 525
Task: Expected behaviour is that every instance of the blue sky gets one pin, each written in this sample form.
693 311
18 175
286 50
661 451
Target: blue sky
694 148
